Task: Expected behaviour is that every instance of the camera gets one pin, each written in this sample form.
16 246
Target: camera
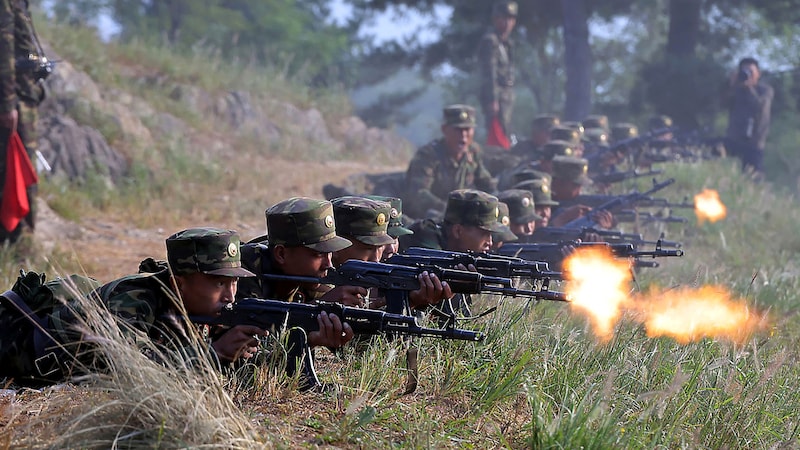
745 74
39 66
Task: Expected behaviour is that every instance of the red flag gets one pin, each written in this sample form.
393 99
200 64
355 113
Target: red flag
497 137
19 175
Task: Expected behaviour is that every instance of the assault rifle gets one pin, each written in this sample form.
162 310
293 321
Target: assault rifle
644 217
616 177
595 200
491 264
278 315
396 281
558 234
624 250
617 203
624 146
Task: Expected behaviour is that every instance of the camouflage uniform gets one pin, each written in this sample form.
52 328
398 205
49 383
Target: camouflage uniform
19 88
432 174
496 62
146 302
298 221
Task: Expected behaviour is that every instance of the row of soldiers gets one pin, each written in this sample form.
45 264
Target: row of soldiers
208 270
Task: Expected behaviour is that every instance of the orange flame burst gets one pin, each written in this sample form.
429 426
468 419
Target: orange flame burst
689 314
707 206
598 286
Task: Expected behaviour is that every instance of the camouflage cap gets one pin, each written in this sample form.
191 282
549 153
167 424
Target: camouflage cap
622 131
521 206
363 219
503 217
542 196
575 126
557 148
472 207
596 136
565 134
545 122
505 8
206 250
460 116
396 226
572 169
521 175
304 221
595 121
660 121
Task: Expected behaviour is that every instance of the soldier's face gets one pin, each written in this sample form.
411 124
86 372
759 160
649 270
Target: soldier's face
565 189
302 261
458 139
544 212
469 238
359 251
504 25
206 295
523 229
390 249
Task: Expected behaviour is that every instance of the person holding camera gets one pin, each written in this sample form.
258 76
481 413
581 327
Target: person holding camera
22 68
749 102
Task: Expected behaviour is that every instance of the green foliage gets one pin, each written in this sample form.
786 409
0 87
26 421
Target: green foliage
688 89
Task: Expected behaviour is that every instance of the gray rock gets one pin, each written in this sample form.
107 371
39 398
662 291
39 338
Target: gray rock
74 150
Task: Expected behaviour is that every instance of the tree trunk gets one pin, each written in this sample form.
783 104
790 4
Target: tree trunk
684 27
577 60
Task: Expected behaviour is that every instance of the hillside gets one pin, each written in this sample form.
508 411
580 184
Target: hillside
144 142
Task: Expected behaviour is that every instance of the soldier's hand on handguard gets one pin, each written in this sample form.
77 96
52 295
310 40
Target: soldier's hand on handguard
240 341
431 291
346 295
470 267
332 333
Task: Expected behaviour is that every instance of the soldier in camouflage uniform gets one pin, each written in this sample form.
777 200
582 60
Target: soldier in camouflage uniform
199 278
501 237
395 228
301 241
20 91
521 211
569 178
496 63
363 222
470 219
540 188
446 164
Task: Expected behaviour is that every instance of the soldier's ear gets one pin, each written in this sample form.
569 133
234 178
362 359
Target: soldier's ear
456 231
279 254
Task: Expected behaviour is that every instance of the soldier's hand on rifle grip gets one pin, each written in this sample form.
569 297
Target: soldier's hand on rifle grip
431 291
346 295
603 218
332 333
238 342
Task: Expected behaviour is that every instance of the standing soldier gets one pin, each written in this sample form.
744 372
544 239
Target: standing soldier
446 164
22 67
496 62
